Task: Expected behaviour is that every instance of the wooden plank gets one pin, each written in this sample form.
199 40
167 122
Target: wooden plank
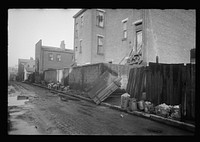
193 69
105 85
128 87
149 84
188 92
183 93
133 83
171 85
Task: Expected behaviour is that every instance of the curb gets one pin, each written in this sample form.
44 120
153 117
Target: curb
171 122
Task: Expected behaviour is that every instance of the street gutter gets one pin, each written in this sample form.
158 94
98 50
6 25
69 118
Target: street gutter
175 123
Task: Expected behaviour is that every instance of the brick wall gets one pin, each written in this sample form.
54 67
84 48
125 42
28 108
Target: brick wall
116 48
66 60
84 33
170 35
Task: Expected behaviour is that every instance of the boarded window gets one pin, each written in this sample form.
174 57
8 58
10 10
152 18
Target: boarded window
50 56
100 45
58 58
100 18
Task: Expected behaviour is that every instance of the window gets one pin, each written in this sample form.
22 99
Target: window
124 29
81 20
100 18
76 30
100 45
58 57
50 57
138 28
80 51
76 48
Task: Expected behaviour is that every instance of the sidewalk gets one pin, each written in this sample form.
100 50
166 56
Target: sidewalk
114 103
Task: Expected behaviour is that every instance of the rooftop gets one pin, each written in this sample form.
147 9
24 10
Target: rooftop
50 48
79 13
26 60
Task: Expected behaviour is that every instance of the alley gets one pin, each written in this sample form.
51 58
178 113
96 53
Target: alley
48 113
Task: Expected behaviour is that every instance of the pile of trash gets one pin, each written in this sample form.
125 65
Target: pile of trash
168 111
57 86
164 110
132 104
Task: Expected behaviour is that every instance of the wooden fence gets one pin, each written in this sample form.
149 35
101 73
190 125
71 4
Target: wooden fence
172 84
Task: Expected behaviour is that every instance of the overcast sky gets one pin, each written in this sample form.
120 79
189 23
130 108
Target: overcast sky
27 26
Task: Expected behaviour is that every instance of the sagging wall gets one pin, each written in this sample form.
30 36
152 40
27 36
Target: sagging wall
170 34
82 77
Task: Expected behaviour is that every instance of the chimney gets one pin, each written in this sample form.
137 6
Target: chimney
62 44
31 58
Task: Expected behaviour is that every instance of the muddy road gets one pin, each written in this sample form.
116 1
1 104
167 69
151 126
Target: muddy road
41 112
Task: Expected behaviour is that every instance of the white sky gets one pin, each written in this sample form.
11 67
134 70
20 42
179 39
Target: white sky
27 26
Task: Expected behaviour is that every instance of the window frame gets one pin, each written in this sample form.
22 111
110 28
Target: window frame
57 59
97 18
100 52
50 57
125 30
76 30
81 17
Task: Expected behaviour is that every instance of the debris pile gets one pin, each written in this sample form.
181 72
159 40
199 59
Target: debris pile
164 110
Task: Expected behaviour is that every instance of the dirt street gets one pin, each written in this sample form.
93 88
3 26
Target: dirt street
46 113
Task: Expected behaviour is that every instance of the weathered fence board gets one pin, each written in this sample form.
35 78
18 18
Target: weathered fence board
172 84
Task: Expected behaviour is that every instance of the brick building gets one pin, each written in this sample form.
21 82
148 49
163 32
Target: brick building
134 36
47 57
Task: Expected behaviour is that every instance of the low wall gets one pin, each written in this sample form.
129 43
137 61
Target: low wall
82 77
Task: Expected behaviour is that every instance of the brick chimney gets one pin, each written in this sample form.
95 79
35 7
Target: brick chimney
62 44
31 58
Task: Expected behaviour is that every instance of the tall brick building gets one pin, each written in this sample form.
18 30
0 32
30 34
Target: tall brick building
47 57
134 36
